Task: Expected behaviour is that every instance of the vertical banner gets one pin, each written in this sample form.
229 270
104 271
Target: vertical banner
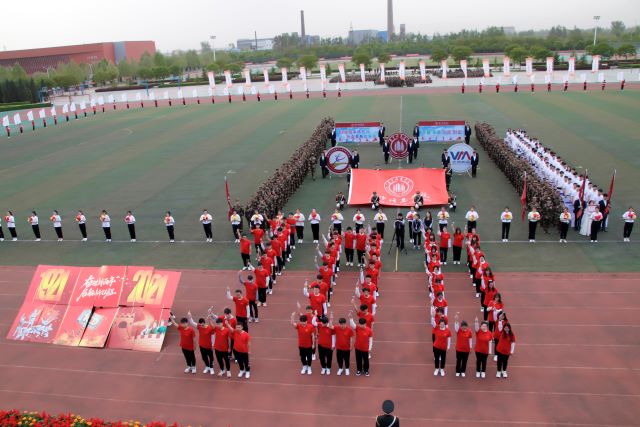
138 96
303 75
16 119
583 77
463 67
443 65
343 78
529 65
401 70
42 114
53 111
265 74
572 66
247 77
30 112
362 76
506 66
212 79
227 77
485 68
620 79
5 121
595 63
600 77
550 65
423 71
285 80
382 72
323 73
194 93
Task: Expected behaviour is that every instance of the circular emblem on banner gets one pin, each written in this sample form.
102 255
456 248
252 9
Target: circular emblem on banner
338 159
460 155
399 145
399 186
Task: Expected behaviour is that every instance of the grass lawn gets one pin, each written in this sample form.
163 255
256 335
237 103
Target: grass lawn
153 160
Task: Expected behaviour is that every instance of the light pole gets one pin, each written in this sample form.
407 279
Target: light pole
213 38
595 30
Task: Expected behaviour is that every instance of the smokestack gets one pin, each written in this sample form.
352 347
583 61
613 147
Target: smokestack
389 20
302 32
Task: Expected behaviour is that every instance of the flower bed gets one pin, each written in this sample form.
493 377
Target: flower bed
42 419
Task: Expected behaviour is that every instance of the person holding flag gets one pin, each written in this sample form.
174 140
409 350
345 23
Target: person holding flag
523 196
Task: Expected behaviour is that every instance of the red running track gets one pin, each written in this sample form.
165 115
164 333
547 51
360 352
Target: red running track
576 360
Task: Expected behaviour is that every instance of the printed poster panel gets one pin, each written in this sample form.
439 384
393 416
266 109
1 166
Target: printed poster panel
357 132
441 131
150 288
135 280
73 325
52 284
97 331
37 322
122 333
98 286
139 328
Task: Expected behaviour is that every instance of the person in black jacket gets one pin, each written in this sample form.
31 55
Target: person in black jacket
416 131
577 221
387 419
410 151
355 159
385 150
332 136
445 158
467 132
416 145
474 163
399 232
381 132
323 165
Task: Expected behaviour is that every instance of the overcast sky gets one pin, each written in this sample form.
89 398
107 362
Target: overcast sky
183 24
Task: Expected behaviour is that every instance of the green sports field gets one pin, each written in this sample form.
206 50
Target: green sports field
152 160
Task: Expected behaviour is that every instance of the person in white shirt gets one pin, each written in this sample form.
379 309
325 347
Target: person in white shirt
82 220
1 232
472 219
443 218
410 217
380 219
534 217
358 218
33 220
169 223
105 219
505 217
130 220
314 220
629 218
11 225
236 225
299 217
336 220
56 220
257 219
206 219
565 221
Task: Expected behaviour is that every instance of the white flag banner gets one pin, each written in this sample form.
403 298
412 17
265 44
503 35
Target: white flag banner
423 71
227 78
123 97
305 87
16 119
111 99
284 76
30 115
166 94
620 76
323 73
600 77
265 75
382 72
253 90
463 67
550 65
65 108
514 79
595 63
73 107
92 102
210 91
42 114
100 100
303 74
5 121
547 78
506 66
152 96
363 78
482 81
53 111
485 68
212 78
572 66
247 77
338 86
272 89
401 70
194 93
138 96
583 77
532 77
343 78
240 90
225 91
180 95
565 78
529 66
444 67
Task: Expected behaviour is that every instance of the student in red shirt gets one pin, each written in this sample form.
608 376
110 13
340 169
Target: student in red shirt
361 246
187 336
316 299
366 298
445 237
204 342
343 335
441 343
306 341
506 346
326 344
363 345
258 234
241 307
245 251
229 317
267 263
440 302
362 311
464 342
349 245
251 289
262 280
488 293
458 239
241 350
484 341
221 347
494 308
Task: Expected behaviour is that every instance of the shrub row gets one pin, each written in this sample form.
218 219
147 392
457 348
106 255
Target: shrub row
22 106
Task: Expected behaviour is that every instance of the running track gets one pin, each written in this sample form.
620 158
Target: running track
576 360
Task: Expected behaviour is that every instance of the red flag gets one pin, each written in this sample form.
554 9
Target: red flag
613 181
523 197
226 184
581 194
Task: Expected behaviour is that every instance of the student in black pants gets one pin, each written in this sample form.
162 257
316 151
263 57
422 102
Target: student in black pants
343 345
363 345
326 342
221 347
464 343
33 219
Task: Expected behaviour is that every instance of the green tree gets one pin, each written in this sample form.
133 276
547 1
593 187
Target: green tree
384 58
438 54
539 52
68 75
192 59
626 50
146 61
104 72
461 52
618 28
284 62
125 69
309 62
361 57
17 72
603 49
517 54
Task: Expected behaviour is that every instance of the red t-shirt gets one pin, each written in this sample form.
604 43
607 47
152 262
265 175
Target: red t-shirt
349 237
317 302
305 335
343 338
241 341
186 337
441 336
257 235
489 294
373 273
462 341
327 274
369 301
245 246
221 340
504 343
444 239
261 277
266 263
438 304
458 239
241 306
482 341
324 336
277 246
361 242
204 336
362 338
366 316
252 290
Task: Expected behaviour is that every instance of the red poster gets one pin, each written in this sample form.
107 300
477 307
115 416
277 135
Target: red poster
150 288
166 282
52 284
135 282
37 322
123 329
398 187
97 331
98 286
73 325
151 337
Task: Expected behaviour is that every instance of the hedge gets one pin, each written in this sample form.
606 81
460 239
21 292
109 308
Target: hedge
23 106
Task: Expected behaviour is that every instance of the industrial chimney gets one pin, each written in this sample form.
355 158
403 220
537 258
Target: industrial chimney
302 31
389 20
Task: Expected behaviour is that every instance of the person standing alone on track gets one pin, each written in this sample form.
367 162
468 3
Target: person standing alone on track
105 220
506 217
206 219
169 222
130 220
629 218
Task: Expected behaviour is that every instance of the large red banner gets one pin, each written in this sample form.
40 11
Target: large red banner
98 286
397 187
52 284
37 322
